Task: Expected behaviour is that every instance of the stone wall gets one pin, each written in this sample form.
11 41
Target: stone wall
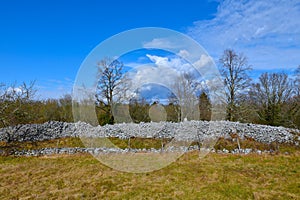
189 130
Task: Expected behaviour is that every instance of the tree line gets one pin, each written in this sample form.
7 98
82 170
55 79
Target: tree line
272 99
18 105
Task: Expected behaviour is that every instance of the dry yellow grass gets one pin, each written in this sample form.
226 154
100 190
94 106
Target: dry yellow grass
216 176
139 143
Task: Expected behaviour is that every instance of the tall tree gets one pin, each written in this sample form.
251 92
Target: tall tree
109 87
270 94
185 91
293 106
234 69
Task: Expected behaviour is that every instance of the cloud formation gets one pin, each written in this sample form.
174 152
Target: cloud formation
267 32
162 70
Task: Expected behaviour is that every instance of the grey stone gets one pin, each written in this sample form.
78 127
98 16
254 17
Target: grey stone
183 131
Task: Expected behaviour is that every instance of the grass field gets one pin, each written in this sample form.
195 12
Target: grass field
216 176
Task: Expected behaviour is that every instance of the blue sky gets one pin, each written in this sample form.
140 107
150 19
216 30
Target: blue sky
48 40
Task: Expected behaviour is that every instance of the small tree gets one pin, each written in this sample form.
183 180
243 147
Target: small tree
234 69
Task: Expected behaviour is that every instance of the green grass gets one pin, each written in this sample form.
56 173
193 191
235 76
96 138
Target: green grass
215 176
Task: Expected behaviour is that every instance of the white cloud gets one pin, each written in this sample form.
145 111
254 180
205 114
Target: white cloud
146 74
147 88
158 60
166 70
175 63
162 43
203 61
268 32
162 71
17 90
183 53
132 64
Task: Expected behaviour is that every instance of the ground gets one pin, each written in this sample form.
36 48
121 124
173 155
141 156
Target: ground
216 176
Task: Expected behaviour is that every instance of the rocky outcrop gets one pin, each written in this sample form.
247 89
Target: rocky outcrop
189 130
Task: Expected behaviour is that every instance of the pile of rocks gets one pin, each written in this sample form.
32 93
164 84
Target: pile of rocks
101 151
38 132
96 151
186 131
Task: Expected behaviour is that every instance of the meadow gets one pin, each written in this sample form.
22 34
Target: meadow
216 176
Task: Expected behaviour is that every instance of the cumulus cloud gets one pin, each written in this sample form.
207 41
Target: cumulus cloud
147 74
268 32
183 53
203 61
170 67
174 63
162 70
158 60
166 70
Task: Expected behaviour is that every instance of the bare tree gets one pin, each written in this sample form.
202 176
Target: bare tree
12 101
110 85
234 69
16 105
292 109
185 89
270 94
